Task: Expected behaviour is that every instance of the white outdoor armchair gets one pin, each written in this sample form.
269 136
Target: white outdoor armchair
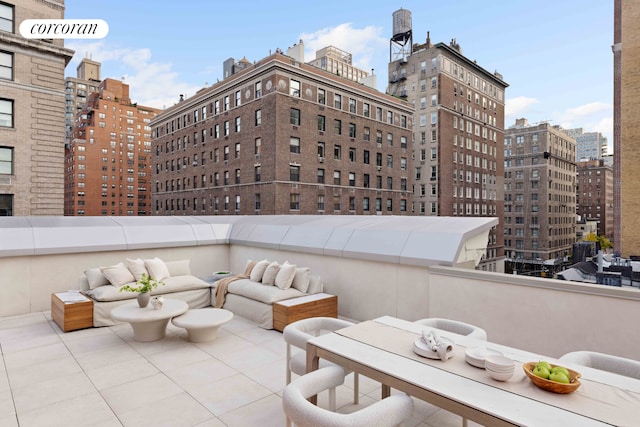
605 362
390 411
455 326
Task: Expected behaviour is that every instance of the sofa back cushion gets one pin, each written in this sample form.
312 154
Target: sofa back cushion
285 275
95 278
118 275
157 268
269 276
179 268
136 267
301 279
258 270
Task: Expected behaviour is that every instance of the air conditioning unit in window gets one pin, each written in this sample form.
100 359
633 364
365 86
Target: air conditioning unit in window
321 159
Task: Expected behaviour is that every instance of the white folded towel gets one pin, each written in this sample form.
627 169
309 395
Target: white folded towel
436 344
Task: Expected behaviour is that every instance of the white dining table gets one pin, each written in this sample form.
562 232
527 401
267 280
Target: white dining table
469 392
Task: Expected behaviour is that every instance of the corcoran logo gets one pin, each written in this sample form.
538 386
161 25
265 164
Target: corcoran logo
64 29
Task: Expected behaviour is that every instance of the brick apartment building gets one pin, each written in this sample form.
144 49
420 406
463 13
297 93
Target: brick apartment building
458 130
540 195
32 109
108 161
77 90
595 194
283 137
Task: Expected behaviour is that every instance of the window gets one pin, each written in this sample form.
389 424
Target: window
320 202
6 113
390 117
258 89
258 117
320 176
294 145
294 173
237 150
336 177
6 161
257 147
237 124
352 179
352 154
389 161
337 152
257 173
6 18
366 180
367 134
366 109
352 105
226 128
378 159
365 157
365 204
6 65
352 130
322 97
390 139
294 117
403 142
226 103
294 88
238 97
216 108
337 101
321 123
337 126
294 201
321 150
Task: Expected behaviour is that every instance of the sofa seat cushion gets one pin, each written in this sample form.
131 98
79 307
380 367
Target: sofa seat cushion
171 284
266 294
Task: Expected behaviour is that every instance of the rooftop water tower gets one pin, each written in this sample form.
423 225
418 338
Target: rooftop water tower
401 44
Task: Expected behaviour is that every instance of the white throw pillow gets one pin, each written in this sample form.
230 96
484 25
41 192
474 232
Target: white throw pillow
136 267
269 276
301 279
157 268
95 278
258 270
118 274
285 275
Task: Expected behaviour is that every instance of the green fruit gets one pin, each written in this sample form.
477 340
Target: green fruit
559 377
541 371
560 369
545 364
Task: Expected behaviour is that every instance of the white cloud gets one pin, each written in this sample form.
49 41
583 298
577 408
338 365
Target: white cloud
364 44
151 84
519 105
587 109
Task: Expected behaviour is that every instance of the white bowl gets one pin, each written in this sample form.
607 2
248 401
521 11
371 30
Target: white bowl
500 376
497 362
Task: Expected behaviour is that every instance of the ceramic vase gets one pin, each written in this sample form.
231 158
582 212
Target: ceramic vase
143 299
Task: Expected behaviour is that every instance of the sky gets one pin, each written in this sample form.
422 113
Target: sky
555 55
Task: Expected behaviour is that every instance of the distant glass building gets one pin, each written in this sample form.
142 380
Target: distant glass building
589 145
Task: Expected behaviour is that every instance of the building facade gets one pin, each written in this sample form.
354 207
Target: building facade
589 145
78 89
595 194
283 137
108 160
539 194
458 133
626 130
32 107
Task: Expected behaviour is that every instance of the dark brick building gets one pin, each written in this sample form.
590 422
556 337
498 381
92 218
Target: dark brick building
283 137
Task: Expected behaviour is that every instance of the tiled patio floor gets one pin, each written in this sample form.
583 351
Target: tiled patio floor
101 377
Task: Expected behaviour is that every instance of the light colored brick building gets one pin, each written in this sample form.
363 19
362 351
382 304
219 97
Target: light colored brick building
78 88
540 195
32 108
283 137
626 50
458 131
108 160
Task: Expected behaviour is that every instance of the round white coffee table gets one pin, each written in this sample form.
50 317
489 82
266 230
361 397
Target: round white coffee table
202 324
149 324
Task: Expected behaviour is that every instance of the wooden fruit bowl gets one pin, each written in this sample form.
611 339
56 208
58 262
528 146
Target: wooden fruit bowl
552 386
